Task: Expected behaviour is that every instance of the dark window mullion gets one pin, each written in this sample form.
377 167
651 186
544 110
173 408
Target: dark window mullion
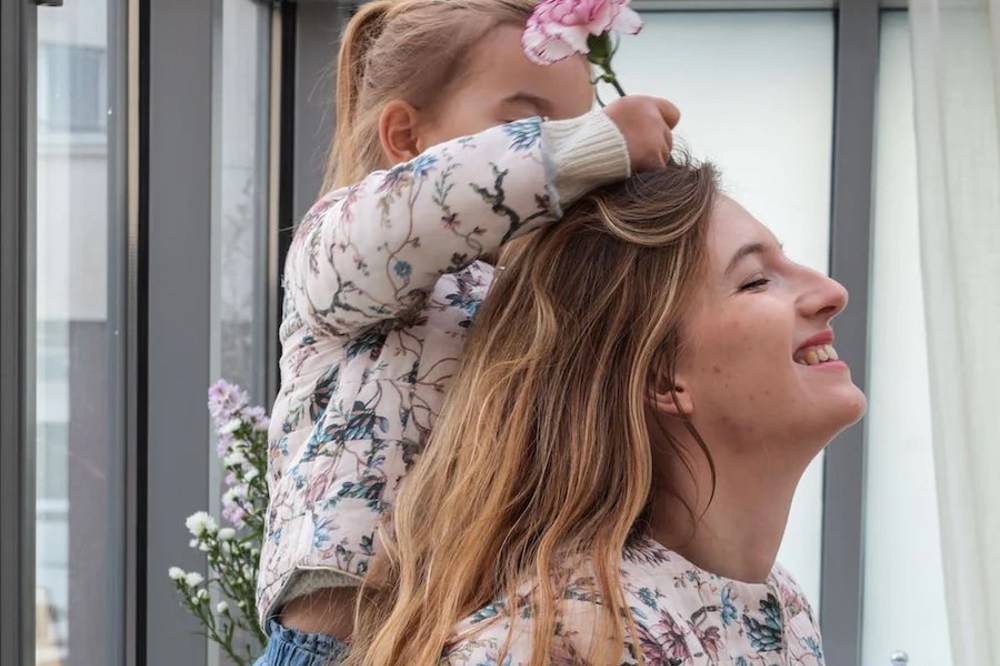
850 241
17 488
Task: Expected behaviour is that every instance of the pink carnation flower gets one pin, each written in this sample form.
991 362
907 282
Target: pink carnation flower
559 28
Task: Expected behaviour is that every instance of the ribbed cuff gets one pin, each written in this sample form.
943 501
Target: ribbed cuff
307 581
584 153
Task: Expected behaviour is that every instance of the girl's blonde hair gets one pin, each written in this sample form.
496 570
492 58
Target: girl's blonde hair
541 454
402 49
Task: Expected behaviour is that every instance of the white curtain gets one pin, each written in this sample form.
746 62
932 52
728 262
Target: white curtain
956 56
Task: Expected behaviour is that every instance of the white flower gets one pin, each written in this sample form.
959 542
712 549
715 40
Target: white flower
222 608
201 523
227 534
203 594
235 459
234 494
251 474
203 547
176 573
193 579
231 426
194 543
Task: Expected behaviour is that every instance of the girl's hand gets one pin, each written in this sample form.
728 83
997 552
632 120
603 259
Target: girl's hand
647 124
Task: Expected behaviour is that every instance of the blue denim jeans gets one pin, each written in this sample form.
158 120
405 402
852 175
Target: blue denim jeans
288 647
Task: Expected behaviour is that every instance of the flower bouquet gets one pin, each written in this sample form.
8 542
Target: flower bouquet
224 602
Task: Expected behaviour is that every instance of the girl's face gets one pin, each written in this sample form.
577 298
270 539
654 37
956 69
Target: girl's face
758 364
501 85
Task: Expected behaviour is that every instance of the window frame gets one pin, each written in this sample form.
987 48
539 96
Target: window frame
177 156
17 555
18 133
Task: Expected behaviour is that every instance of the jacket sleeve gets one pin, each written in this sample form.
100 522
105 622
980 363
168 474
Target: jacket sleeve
371 251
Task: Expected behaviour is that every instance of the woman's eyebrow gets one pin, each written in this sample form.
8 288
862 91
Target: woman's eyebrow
747 250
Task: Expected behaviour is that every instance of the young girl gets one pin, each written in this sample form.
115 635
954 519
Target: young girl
382 279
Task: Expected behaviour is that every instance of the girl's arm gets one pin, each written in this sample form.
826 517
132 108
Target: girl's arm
371 251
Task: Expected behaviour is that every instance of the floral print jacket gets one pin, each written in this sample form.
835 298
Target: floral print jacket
684 616
381 285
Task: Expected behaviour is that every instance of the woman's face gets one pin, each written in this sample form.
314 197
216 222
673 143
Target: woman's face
758 363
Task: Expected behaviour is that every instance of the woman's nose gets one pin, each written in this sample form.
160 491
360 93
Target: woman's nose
822 296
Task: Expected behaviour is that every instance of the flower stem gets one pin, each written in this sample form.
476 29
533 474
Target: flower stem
614 82
612 78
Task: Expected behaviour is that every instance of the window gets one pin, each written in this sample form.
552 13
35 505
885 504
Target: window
240 186
76 260
73 88
904 602
757 92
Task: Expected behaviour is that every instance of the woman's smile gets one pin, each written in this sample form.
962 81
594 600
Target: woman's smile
818 351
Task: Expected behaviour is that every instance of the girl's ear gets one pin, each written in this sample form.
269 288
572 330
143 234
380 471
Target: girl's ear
397 130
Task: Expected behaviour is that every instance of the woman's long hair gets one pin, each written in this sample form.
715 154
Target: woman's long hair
541 452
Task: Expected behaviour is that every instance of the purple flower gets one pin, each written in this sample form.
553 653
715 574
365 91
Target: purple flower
258 417
235 515
225 400
224 444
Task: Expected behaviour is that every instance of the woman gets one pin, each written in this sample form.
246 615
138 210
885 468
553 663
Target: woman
644 386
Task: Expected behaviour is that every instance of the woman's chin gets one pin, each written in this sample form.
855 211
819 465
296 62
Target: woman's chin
843 408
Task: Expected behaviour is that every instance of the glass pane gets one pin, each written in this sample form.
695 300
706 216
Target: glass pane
77 326
240 185
756 93
241 106
904 604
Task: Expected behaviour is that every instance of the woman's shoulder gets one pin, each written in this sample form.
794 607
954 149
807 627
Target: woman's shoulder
686 615
682 615
502 629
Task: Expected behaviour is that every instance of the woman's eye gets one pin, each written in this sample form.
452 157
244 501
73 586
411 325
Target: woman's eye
759 283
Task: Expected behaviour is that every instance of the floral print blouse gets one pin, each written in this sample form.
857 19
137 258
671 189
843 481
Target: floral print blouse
381 285
684 616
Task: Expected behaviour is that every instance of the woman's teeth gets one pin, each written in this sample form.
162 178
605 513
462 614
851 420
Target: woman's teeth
816 355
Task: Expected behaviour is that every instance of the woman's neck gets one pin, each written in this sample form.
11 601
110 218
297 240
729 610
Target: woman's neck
737 534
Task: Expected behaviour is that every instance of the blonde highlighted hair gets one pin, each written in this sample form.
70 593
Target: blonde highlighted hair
410 50
541 454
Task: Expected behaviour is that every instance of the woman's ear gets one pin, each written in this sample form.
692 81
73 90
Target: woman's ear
670 395
397 131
